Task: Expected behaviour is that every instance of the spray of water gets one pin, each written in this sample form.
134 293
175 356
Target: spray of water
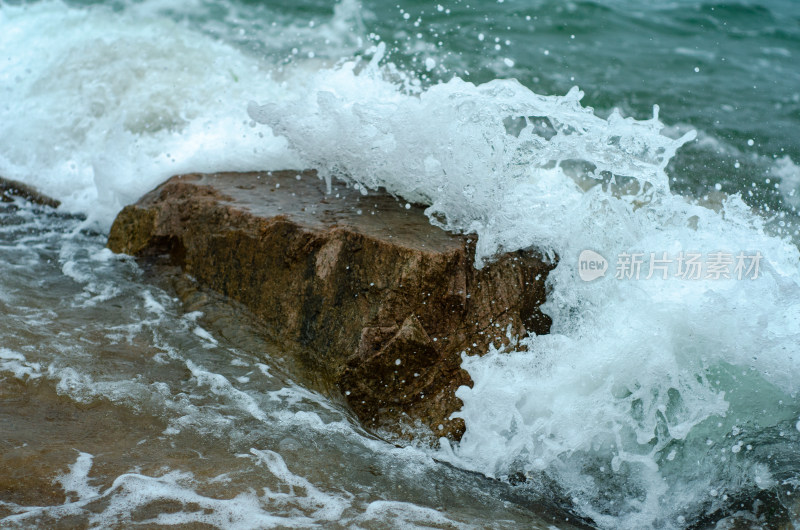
652 402
644 403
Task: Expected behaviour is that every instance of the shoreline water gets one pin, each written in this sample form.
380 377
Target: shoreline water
653 403
181 381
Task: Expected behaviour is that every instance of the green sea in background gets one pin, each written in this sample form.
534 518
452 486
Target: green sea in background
129 395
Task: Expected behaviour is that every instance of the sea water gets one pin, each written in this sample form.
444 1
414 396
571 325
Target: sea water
657 142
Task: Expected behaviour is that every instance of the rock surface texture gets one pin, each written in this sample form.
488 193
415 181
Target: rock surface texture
380 302
11 188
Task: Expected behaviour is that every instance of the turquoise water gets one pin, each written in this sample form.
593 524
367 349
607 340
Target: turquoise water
654 403
727 69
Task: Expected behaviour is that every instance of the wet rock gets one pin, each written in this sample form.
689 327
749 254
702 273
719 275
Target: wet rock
12 188
378 301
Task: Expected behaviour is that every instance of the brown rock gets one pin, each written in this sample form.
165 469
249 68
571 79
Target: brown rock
379 302
11 188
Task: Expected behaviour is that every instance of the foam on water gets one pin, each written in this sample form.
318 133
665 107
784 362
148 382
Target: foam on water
788 174
210 434
628 406
451 147
133 491
16 364
101 106
652 402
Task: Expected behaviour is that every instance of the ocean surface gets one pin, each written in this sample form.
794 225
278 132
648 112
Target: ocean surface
653 147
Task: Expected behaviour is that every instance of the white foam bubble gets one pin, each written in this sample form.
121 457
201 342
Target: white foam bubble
101 106
206 336
325 506
449 147
16 363
406 515
633 369
76 482
220 386
636 375
789 174
133 491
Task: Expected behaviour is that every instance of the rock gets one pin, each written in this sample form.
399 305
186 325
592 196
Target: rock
380 302
12 188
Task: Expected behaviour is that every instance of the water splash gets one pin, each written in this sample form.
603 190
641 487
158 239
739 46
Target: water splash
630 404
652 402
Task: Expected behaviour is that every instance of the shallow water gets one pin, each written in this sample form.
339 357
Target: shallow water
131 395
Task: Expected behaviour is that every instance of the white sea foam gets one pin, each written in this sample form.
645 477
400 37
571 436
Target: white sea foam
219 385
405 515
100 106
76 482
324 506
132 492
450 147
15 363
634 369
789 174
616 406
205 335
